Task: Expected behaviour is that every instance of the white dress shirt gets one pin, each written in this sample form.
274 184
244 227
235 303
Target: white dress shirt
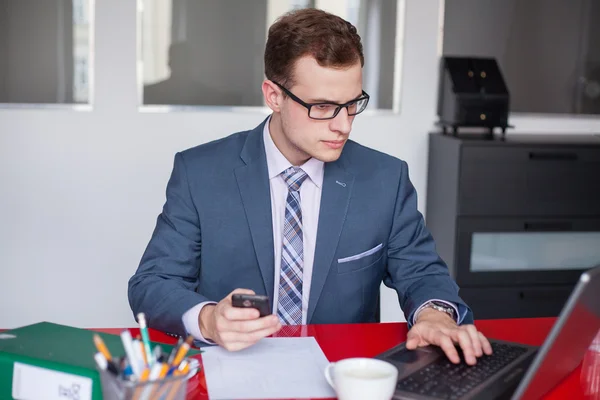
310 203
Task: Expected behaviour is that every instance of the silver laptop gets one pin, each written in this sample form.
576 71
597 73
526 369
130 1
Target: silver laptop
514 371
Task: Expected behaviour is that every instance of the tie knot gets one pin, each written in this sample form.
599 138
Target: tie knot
294 177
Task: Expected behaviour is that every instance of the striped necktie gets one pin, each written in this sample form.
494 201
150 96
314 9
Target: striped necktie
289 308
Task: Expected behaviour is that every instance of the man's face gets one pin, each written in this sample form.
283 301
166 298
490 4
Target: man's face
304 137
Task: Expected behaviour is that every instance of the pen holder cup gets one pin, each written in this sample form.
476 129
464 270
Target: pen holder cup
116 388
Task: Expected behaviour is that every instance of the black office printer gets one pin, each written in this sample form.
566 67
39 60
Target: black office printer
472 93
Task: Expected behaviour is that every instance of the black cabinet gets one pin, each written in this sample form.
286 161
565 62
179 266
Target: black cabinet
517 219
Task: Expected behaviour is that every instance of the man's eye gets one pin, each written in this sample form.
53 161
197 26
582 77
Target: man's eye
324 106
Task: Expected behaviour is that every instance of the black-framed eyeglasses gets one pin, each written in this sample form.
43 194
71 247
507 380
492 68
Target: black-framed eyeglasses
329 110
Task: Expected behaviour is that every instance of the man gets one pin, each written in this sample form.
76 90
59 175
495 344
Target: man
295 210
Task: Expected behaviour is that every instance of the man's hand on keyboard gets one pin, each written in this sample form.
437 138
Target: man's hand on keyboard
433 327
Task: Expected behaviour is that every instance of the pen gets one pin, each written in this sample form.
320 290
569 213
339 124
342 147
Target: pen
155 372
139 355
145 337
127 372
174 350
105 365
128 345
157 355
124 367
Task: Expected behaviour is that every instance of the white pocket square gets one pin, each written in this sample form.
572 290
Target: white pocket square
361 255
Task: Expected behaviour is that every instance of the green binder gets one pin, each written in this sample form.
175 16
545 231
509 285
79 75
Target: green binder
60 348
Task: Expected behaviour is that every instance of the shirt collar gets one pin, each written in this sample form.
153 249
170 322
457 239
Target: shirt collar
277 163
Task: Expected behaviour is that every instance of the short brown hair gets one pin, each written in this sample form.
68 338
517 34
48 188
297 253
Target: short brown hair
329 39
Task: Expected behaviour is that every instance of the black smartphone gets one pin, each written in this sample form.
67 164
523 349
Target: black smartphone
261 303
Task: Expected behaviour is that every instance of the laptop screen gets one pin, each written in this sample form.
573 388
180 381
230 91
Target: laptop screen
569 339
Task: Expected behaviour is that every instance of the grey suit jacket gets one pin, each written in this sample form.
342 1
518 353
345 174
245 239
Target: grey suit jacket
215 235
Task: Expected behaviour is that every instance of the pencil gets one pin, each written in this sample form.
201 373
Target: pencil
185 347
102 347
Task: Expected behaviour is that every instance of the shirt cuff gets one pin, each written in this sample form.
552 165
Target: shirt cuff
190 321
459 315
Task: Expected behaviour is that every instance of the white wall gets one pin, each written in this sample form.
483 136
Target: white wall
80 191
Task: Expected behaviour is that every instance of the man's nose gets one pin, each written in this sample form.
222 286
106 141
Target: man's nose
342 122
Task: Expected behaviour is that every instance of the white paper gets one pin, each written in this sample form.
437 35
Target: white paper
272 368
35 383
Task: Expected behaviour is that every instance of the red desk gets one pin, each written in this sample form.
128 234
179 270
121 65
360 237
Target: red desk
368 340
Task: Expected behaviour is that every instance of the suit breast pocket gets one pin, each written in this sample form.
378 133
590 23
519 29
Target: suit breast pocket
360 261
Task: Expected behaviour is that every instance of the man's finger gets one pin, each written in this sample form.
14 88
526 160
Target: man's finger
235 346
239 291
412 340
240 314
268 321
231 337
487 347
255 336
464 340
475 340
448 346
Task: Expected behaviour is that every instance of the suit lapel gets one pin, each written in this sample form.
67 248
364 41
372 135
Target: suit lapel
337 189
253 183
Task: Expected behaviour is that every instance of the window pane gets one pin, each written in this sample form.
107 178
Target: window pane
547 49
518 251
210 52
44 51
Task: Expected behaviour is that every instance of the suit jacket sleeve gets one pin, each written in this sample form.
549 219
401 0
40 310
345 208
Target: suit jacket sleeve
414 269
164 284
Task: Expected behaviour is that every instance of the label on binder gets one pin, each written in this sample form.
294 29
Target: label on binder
34 383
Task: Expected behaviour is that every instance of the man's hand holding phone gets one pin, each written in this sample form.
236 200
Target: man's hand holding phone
235 328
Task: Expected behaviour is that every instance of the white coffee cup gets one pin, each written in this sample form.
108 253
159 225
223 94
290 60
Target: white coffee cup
362 378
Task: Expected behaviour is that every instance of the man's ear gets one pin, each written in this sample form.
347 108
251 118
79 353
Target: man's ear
272 95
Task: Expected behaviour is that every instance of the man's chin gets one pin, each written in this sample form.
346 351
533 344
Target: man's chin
328 156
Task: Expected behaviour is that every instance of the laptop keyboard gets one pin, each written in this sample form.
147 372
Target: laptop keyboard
445 380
